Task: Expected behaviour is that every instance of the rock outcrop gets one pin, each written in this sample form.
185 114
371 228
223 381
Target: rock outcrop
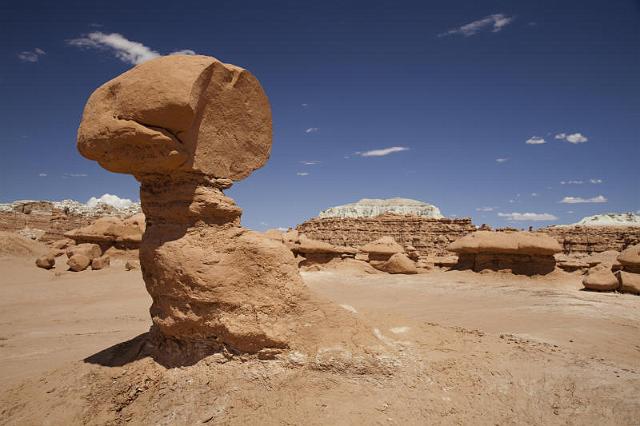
523 253
428 236
368 207
594 239
111 231
187 127
610 219
48 220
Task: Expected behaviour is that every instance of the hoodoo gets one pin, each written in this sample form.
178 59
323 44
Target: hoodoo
187 127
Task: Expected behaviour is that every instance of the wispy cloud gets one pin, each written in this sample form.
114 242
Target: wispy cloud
501 160
574 138
302 174
571 182
528 217
485 209
131 52
580 200
31 55
310 163
304 105
311 130
535 140
74 175
495 23
534 194
42 174
595 181
382 152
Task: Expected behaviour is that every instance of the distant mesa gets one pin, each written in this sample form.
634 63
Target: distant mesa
371 207
608 219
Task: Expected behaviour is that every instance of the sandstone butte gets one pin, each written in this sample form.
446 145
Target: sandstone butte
187 127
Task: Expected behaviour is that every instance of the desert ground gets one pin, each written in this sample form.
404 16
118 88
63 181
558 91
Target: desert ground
465 348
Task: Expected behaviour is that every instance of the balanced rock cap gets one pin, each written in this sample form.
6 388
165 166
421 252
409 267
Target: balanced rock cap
179 113
526 243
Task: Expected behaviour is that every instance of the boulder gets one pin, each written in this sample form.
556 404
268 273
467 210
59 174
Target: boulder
46 262
62 244
100 262
523 253
630 259
600 278
91 251
629 282
187 127
111 231
78 262
399 263
132 265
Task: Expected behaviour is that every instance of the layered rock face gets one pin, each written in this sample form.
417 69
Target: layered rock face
519 252
371 207
429 236
187 127
594 239
49 220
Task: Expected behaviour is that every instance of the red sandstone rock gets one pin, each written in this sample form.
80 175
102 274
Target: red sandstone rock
399 263
100 262
629 282
46 262
630 259
78 262
91 251
600 278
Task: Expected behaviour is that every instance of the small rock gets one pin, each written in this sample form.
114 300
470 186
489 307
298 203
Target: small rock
78 262
132 265
100 262
46 262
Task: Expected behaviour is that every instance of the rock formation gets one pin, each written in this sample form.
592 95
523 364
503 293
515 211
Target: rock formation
111 231
49 220
374 207
187 127
600 278
610 219
519 252
630 259
594 239
429 236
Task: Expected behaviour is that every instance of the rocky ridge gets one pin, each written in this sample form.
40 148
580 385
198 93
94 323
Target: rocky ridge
371 207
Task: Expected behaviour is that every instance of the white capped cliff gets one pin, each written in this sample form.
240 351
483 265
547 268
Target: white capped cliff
370 207
611 219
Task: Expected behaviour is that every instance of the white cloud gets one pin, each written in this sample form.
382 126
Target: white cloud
111 200
534 194
571 182
75 175
311 130
580 200
574 138
310 163
485 209
304 105
382 152
131 52
535 140
31 55
525 217
494 22
595 181
502 160
42 174
302 174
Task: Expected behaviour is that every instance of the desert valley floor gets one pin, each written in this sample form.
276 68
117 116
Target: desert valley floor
466 348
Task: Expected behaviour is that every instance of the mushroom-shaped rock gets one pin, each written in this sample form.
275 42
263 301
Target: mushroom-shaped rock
629 282
399 263
187 127
520 252
320 252
382 249
600 278
630 259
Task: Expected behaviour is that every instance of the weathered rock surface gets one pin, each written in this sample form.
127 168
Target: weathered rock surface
399 263
630 259
91 251
49 220
78 262
46 262
600 278
111 231
186 127
519 252
429 236
594 239
100 262
368 207
629 282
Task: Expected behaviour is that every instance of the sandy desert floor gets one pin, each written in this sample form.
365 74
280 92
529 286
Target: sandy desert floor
469 349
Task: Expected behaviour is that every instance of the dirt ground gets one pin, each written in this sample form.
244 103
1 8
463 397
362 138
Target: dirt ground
465 348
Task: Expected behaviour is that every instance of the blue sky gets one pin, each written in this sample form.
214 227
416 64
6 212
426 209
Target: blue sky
456 87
